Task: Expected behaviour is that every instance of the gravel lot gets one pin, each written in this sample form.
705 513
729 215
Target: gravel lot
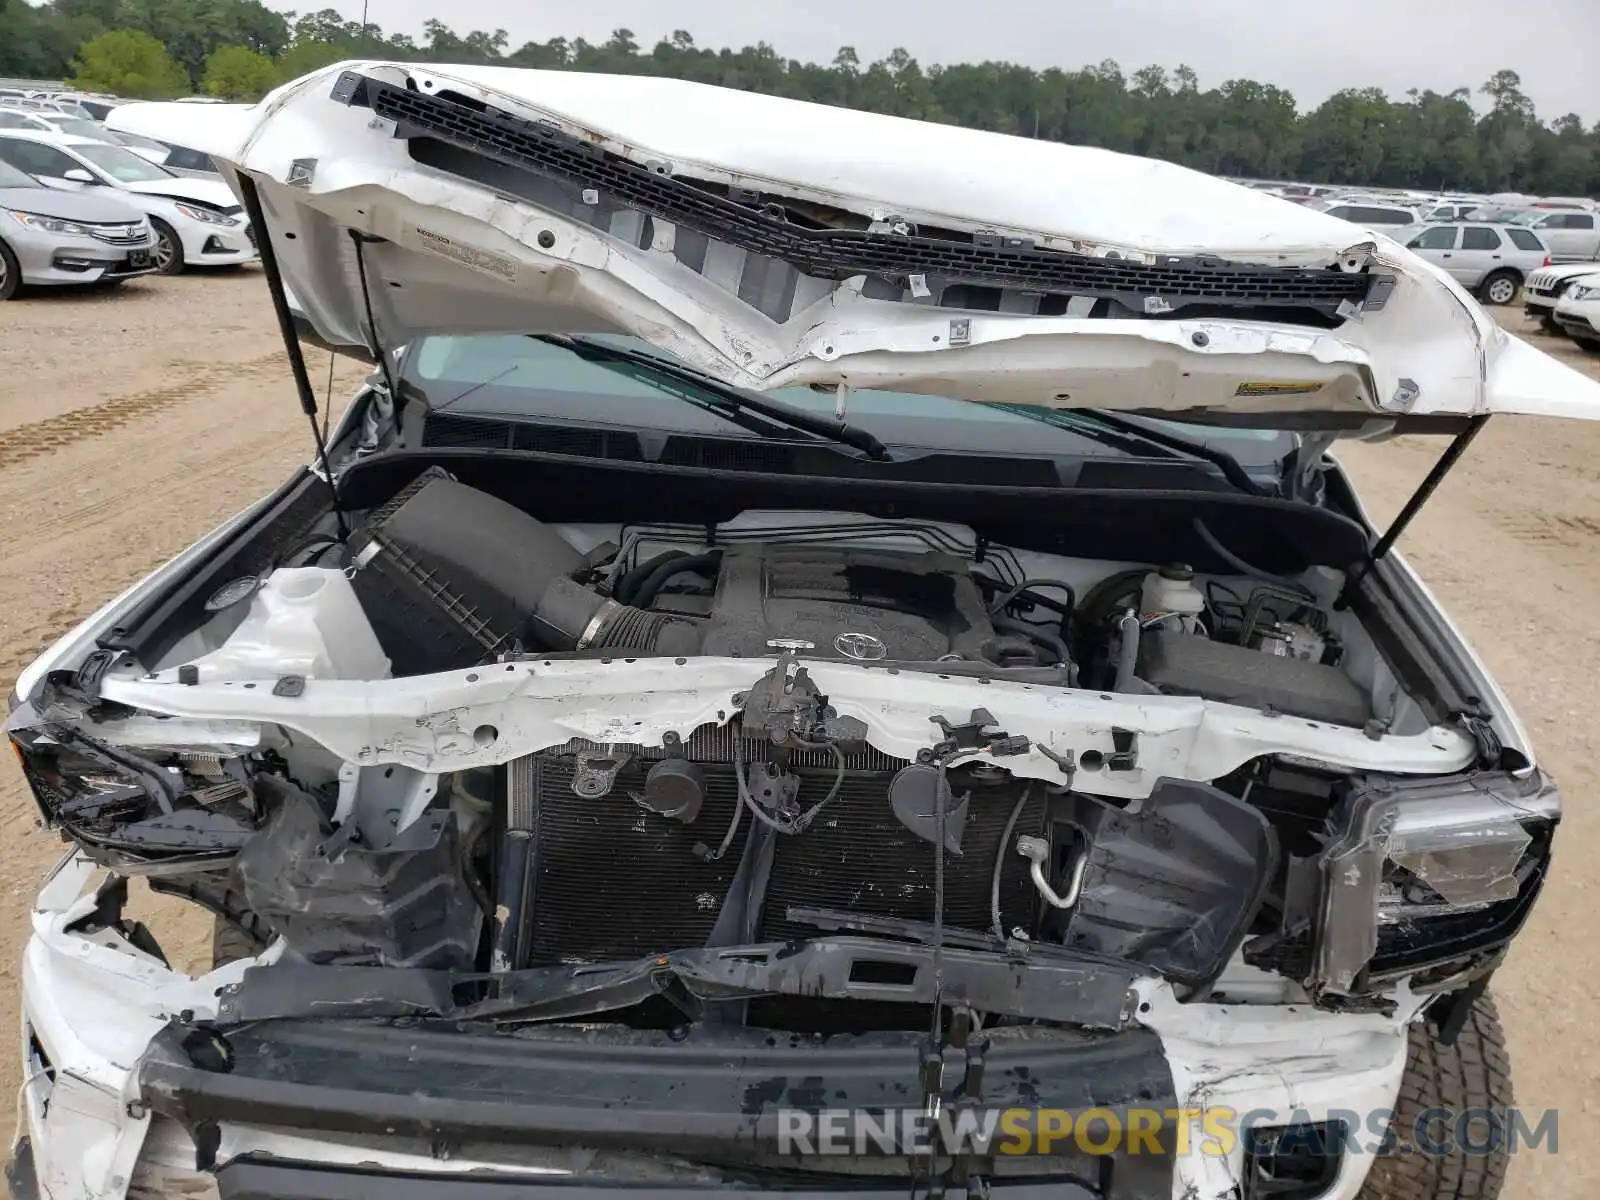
134 420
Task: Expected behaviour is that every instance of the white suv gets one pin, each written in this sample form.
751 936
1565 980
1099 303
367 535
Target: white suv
1578 312
1545 288
1492 260
1571 236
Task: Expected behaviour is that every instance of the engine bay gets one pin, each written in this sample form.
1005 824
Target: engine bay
782 820
433 575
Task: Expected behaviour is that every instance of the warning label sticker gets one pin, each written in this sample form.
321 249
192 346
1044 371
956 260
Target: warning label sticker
468 256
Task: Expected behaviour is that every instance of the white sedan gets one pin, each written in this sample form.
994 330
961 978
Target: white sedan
198 222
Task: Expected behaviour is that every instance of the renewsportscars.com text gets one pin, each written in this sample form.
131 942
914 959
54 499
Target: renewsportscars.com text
1155 1131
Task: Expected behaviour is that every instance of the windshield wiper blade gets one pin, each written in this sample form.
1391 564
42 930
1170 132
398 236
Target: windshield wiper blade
1110 429
651 367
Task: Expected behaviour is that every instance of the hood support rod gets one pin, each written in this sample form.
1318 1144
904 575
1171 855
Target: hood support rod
1425 489
291 339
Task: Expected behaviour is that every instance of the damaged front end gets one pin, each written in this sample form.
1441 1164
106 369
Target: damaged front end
755 887
575 805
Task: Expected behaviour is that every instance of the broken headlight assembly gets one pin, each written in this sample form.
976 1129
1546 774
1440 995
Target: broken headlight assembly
136 812
1431 879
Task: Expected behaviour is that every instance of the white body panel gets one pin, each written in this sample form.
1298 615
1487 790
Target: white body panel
458 255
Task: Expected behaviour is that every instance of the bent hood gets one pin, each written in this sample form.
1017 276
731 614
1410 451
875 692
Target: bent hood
773 243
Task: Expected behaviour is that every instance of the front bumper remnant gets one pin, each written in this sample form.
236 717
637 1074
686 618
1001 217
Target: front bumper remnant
130 1077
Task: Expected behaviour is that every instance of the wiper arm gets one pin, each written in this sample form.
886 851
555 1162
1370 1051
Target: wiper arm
1110 429
649 368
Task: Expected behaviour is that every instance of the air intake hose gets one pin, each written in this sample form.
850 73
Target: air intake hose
571 617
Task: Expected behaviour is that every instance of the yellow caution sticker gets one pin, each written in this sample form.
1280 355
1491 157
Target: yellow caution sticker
1278 387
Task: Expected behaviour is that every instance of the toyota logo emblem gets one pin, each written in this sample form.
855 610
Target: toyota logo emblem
861 646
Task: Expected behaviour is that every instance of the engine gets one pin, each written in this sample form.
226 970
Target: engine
451 577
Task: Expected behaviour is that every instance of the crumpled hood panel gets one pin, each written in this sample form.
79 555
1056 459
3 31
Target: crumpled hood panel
1085 273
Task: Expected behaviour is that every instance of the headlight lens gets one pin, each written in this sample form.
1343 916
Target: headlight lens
1427 874
1585 293
43 224
207 216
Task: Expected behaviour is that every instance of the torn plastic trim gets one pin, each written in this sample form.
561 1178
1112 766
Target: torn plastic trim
492 714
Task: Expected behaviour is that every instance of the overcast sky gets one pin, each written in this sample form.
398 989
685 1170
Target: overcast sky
1311 47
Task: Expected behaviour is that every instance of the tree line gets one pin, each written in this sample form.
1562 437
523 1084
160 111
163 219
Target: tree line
238 49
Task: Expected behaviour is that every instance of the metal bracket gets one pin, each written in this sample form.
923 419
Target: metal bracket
594 773
967 1174
971 736
1124 755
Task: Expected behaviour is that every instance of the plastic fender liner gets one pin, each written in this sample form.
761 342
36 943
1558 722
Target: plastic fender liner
1174 883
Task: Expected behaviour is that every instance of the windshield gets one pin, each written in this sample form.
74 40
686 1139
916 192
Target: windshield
10 177
515 377
133 139
121 164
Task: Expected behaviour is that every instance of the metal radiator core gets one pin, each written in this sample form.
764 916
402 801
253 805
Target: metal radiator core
605 878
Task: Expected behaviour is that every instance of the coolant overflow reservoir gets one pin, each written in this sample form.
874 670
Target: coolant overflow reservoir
1171 591
303 621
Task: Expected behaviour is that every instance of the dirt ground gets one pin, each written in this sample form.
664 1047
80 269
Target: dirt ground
133 421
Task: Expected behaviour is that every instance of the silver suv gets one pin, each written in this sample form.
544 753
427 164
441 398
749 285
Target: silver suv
1492 260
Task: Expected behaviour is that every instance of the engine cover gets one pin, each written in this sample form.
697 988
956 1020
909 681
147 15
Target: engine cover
858 605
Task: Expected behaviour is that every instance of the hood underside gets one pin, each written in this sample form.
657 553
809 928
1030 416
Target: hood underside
773 243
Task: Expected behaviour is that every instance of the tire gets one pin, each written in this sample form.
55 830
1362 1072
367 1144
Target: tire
10 273
1474 1073
229 943
169 248
1589 344
1500 287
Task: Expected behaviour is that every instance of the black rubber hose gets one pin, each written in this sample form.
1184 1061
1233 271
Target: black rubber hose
1244 568
1040 637
629 583
1029 585
652 583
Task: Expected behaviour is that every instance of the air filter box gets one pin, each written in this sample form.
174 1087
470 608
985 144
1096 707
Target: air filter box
448 575
1184 664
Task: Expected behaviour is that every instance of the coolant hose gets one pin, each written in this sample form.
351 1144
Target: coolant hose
628 583
644 591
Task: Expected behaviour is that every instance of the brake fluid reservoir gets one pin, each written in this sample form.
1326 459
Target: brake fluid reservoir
1171 591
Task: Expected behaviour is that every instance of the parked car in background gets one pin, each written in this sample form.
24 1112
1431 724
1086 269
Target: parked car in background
1572 236
198 222
1545 288
98 106
55 122
51 238
1457 211
180 160
1578 312
1374 215
1492 260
